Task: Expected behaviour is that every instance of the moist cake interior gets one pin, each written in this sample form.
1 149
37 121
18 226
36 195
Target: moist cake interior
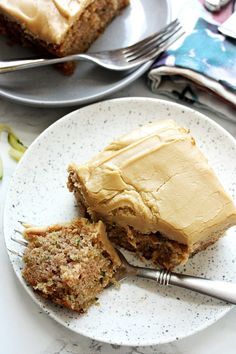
70 264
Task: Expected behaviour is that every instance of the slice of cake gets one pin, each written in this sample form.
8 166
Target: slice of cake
58 27
156 192
70 264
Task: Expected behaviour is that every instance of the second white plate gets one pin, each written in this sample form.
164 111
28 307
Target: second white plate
139 312
89 83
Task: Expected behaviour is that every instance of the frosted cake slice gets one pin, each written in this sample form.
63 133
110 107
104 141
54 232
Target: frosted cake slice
156 192
58 27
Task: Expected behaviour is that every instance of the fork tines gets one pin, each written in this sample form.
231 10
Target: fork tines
20 242
151 46
16 253
155 36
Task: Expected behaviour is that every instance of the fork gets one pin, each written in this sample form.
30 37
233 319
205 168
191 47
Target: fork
119 59
222 290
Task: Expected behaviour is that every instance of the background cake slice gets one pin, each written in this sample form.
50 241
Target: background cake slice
58 27
156 192
70 264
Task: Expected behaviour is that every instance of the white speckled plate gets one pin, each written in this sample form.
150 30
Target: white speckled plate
140 312
89 83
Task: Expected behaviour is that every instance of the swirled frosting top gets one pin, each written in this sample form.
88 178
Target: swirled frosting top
156 179
48 20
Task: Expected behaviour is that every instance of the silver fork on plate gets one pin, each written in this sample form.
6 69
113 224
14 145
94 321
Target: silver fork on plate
119 59
222 290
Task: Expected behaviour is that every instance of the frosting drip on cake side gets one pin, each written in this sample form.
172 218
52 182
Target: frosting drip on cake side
47 20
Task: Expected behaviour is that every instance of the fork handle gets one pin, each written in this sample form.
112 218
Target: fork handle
222 290
7 66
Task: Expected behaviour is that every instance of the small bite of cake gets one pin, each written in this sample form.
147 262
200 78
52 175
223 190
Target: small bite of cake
156 193
58 27
70 264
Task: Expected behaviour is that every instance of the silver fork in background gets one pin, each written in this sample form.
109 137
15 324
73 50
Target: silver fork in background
222 290
119 60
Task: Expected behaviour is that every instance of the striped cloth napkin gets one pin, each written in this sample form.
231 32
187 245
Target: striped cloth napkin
200 68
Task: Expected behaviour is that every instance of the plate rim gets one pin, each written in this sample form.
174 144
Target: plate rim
53 315
134 75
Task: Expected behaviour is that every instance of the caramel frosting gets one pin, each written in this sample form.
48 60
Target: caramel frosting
48 20
156 179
